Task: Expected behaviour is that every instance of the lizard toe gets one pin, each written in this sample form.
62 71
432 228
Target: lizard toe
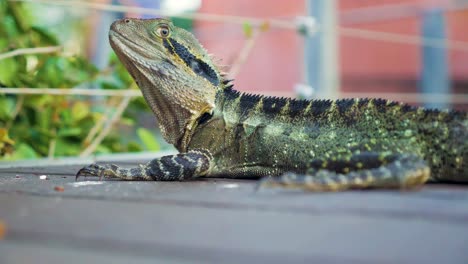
90 170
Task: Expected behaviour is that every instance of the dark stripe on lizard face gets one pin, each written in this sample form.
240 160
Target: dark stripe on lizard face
168 46
198 66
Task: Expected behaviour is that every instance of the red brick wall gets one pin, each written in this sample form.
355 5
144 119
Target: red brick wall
275 63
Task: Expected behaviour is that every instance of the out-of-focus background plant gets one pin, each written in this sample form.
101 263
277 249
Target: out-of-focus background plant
33 126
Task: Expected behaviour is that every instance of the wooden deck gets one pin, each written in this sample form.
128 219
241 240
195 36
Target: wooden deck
58 220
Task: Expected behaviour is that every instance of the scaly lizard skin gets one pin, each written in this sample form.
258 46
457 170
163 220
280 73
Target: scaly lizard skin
317 145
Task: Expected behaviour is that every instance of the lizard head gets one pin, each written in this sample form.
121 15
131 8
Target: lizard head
173 71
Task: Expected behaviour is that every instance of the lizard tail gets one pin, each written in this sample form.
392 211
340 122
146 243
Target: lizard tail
404 172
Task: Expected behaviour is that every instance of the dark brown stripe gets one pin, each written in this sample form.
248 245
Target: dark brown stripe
273 105
363 103
248 102
319 107
344 105
297 107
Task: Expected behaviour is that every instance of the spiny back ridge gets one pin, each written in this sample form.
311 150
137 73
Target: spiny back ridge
272 105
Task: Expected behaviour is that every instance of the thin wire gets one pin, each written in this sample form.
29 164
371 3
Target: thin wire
72 91
404 38
394 11
460 98
26 51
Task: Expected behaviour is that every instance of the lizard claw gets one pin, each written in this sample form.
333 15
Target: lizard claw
91 170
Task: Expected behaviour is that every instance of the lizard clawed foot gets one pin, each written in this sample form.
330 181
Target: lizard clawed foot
95 170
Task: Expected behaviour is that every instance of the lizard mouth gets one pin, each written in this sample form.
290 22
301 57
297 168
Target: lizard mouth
126 45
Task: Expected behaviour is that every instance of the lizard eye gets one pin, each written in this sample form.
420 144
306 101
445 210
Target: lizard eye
163 31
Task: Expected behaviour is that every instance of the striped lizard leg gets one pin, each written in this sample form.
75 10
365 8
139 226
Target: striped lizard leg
362 171
177 167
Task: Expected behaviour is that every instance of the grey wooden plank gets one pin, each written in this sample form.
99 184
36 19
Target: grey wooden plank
200 232
226 221
432 203
43 253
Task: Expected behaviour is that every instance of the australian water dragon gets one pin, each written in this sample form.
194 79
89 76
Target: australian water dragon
318 145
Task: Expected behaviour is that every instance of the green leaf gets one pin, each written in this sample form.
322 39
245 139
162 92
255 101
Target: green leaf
3 43
3 7
8 69
148 139
77 70
127 121
21 16
7 106
51 72
133 146
102 149
80 110
8 27
120 72
23 151
139 104
69 132
4 138
45 37
65 147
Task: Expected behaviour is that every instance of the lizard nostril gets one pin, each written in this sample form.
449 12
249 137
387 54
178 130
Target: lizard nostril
127 20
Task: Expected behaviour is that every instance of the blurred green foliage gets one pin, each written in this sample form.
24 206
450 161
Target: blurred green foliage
33 126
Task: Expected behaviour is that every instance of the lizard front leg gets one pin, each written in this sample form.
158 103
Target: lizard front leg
182 166
361 171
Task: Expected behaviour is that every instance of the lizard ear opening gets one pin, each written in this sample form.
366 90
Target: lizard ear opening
204 70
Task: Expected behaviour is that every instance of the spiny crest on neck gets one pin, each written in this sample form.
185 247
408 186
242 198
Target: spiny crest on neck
273 106
227 83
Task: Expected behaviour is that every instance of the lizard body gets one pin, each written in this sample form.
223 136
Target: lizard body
318 145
